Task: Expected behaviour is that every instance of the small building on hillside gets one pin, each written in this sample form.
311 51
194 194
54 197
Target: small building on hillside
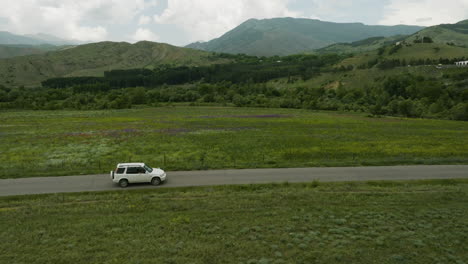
462 63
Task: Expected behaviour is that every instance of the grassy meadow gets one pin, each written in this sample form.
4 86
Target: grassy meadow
373 222
47 143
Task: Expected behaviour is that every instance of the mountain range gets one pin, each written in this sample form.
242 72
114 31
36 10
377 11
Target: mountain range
7 38
12 45
96 58
449 41
10 51
286 36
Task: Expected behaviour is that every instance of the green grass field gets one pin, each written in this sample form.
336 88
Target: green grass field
49 143
375 222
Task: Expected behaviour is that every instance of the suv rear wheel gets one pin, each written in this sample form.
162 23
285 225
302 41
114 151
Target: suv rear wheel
123 183
156 181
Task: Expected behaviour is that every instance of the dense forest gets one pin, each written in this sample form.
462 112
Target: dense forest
248 82
244 69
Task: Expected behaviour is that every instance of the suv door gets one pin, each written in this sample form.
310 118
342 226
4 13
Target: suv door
132 174
143 176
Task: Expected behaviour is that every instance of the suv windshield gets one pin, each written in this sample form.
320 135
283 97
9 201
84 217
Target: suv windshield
148 169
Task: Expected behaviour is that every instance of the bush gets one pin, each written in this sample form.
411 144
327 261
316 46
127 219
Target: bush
460 112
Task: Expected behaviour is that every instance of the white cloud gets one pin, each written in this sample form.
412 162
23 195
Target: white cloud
207 19
144 20
338 8
364 11
184 21
425 12
84 20
144 34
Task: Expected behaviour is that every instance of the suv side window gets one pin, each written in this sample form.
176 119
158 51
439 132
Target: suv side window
120 170
141 170
132 170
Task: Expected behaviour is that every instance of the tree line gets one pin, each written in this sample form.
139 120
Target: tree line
252 69
406 95
385 63
250 81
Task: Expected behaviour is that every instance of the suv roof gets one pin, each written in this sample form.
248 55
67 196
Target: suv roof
121 165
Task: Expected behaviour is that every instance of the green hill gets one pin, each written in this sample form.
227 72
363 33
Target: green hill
456 34
410 53
451 34
95 59
443 42
361 45
286 36
428 51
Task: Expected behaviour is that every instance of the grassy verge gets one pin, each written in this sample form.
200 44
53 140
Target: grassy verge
48 143
374 222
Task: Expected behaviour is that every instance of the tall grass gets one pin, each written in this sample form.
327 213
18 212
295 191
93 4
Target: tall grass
403 222
47 143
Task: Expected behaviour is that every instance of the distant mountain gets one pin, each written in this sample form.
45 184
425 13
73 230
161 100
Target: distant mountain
10 51
53 40
7 38
285 36
94 59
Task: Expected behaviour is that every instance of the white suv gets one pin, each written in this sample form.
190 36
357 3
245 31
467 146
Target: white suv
126 173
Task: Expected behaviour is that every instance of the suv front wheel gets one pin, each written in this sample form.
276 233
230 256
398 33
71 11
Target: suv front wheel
156 181
123 183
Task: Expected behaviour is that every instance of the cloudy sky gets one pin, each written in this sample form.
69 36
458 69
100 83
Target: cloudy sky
180 22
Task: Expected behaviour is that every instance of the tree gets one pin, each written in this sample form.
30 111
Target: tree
138 95
405 108
377 110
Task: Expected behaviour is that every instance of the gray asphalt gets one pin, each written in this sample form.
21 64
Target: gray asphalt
90 183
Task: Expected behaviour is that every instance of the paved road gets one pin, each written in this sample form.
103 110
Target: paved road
225 177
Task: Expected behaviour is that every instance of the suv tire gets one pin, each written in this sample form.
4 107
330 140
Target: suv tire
156 181
123 183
